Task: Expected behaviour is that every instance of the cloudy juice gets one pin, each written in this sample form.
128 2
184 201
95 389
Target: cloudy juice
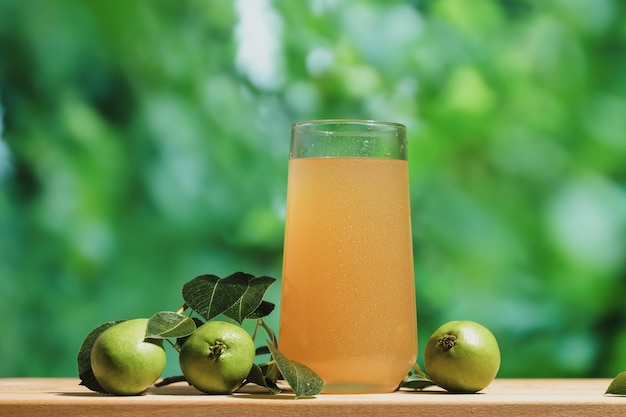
348 300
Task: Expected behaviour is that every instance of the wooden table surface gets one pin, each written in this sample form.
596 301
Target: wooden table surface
63 397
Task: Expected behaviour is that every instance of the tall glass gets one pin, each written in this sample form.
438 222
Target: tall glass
348 293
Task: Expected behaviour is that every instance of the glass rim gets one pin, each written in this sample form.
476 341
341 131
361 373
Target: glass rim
315 124
348 138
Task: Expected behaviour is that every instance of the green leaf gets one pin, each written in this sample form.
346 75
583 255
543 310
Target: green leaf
416 382
618 385
251 299
209 295
168 324
237 296
417 379
85 373
264 309
259 377
302 380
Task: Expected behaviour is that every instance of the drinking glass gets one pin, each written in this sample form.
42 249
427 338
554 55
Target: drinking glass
348 293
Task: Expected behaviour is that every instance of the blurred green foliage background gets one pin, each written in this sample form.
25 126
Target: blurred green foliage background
143 143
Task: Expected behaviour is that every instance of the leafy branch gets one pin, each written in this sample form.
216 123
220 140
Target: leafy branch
237 297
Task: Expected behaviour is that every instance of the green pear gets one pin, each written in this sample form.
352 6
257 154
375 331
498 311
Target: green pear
123 361
217 357
462 356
